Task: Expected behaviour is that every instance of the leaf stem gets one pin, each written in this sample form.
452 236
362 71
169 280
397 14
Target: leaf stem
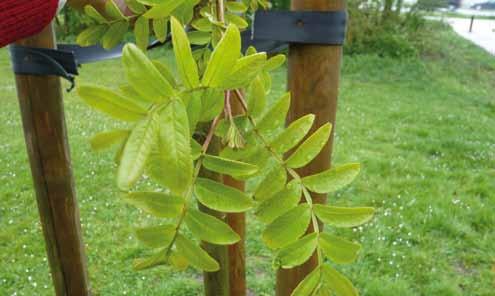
210 134
189 193
228 107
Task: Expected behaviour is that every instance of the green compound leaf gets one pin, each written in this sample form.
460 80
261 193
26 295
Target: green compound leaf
275 62
144 77
135 6
156 236
171 162
199 38
94 14
337 249
229 167
324 281
111 103
196 149
222 198
338 283
212 103
333 179
245 70
136 153
202 24
288 227
185 12
297 253
153 2
310 148
113 11
178 261
91 35
186 65
223 58
256 98
196 256
344 217
240 22
165 71
323 290
251 50
267 80
290 137
160 27
210 229
274 119
156 259
279 204
236 7
142 33
272 183
162 10
130 93
107 140
114 34
158 204
309 284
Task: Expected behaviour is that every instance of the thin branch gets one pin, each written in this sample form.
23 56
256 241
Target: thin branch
210 135
221 11
228 107
190 190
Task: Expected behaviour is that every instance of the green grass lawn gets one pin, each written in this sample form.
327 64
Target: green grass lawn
424 130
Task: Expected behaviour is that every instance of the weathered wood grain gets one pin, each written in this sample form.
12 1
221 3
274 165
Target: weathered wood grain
40 100
313 79
237 252
215 283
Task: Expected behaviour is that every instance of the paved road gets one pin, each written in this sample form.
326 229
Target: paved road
483 33
470 12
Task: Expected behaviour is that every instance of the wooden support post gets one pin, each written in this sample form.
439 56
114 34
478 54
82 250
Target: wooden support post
215 283
237 252
313 79
40 99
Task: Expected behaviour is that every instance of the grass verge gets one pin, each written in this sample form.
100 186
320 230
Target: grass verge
424 130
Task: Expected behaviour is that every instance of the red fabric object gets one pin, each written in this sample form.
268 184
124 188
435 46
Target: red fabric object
23 18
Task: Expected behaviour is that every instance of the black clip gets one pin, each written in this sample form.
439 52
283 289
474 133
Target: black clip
43 61
273 30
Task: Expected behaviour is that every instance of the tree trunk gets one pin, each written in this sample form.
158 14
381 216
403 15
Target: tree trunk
398 7
314 73
387 10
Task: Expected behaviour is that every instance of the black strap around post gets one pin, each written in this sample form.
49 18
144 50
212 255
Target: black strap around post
271 32
91 54
272 29
44 61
